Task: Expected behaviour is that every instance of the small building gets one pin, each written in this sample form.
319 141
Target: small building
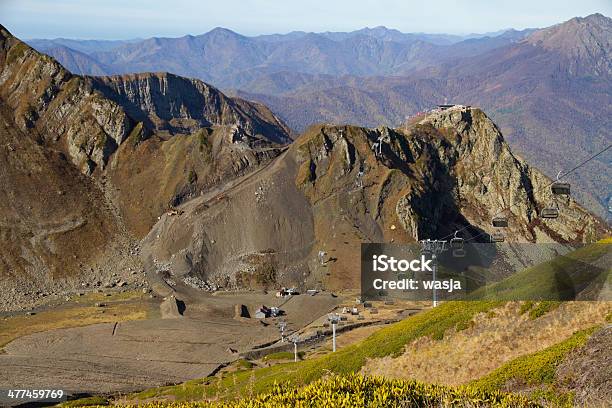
262 313
445 106
265 312
312 292
284 292
274 311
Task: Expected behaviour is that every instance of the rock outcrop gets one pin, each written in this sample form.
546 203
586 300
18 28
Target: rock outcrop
61 110
168 102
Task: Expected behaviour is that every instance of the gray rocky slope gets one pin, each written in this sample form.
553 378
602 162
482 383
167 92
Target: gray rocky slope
330 191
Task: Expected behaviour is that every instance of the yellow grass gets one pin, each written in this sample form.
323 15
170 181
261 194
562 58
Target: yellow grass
78 312
491 340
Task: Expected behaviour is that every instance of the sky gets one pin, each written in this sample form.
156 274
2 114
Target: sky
126 19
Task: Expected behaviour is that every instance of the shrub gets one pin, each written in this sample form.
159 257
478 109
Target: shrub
542 308
355 390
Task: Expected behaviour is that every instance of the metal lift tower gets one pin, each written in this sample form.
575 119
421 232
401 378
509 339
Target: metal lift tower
433 248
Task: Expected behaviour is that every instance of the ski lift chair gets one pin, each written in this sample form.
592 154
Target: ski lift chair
456 244
497 237
549 212
458 253
560 188
500 222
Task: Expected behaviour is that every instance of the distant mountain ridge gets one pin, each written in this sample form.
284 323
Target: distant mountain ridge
220 55
84 46
77 61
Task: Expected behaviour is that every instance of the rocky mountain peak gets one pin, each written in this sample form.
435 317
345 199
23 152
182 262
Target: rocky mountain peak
588 38
58 108
448 165
90 117
219 34
93 161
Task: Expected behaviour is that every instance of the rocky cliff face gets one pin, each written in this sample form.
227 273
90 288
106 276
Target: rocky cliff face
168 102
90 117
61 110
55 222
58 229
449 170
335 188
490 180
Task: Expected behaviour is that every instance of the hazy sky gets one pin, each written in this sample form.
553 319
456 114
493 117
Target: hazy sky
122 19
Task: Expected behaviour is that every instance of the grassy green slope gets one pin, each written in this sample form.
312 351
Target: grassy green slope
542 281
536 370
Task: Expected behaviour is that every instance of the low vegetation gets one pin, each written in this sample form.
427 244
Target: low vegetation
542 308
535 370
266 388
86 402
532 369
359 391
204 144
243 364
538 309
16 52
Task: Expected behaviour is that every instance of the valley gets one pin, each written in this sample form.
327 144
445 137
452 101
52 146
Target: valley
165 242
